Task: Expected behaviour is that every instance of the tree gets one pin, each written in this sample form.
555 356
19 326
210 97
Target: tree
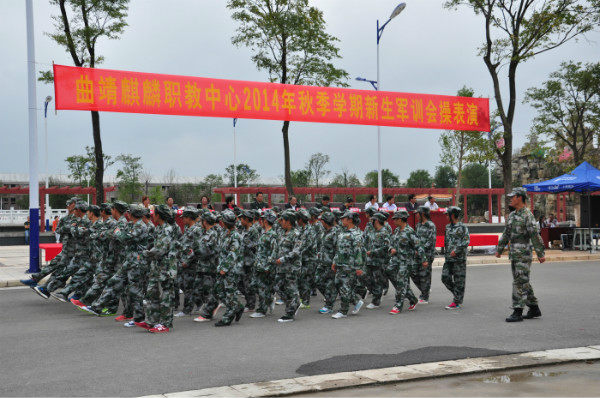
210 182
316 167
419 179
128 177
345 180
568 106
78 28
82 168
156 195
300 178
245 174
289 41
475 175
515 32
445 177
388 179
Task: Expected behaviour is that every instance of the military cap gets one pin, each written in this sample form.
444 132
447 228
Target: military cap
379 217
95 210
402 214
121 206
136 211
328 217
337 213
289 215
270 217
190 212
314 211
303 214
453 210
276 209
522 192
249 214
210 217
106 207
423 210
237 211
228 217
371 210
72 200
164 212
352 215
146 212
81 206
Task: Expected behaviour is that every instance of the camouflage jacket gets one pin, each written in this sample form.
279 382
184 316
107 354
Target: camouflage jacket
175 249
80 234
266 252
206 249
350 254
319 231
64 229
289 252
95 246
457 240
230 253
134 238
328 247
162 266
189 242
250 238
427 237
408 250
379 247
308 243
368 233
523 234
116 246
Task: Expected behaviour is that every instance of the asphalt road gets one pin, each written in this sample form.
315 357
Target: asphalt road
49 348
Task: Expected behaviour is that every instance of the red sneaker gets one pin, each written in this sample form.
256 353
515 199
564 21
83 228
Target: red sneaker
395 311
77 303
452 306
159 329
122 318
412 307
143 325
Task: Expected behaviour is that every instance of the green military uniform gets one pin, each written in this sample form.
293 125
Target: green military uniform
264 265
421 276
377 244
189 261
325 276
454 272
286 278
348 259
249 237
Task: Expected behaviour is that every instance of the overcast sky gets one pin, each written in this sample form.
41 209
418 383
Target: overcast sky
427 49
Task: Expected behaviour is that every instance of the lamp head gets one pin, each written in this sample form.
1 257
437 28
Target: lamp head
399 8
361 79
48 99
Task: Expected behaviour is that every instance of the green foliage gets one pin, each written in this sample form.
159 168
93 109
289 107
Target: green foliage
316 167
475 175
245 174
183 194
82 168
128 178
210 182
300 178
568 106
445 177
156 195
345 179
388 179
419 179
57 201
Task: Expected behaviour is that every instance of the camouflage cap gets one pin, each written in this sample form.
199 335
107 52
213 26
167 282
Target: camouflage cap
270 217
163 212
353 216
136 211
328 217
82 206
247 213
402 214
210 217
72 200
314 211
453 210
337 213
423 210
190 212
228 217
237 211
146 212
106 207
289 215
371 210
276 209
522 192
121 206
379 217
303 214
95 210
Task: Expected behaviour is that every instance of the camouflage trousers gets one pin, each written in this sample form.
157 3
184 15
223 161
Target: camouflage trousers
187 279
345 283
103 273
263 285
203 287
80 281
135 291
306 280
59 278
374 280
246 287
454 275
398 275
114 289
57 264
325 281
226 289
286 284
522 292
160 295
421 276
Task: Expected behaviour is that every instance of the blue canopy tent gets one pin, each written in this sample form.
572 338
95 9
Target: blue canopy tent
585 178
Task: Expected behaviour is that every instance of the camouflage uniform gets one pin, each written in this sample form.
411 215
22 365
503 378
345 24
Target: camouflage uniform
161 278
348 259
207 252
406 243
286 278
522 232
378 244
319 231
421 276
230 262
264 265
454 272
308 254
325 276
250 238
189 267
62 260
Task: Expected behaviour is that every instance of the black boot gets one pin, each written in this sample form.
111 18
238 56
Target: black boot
221 323
516 316
534 312
238 315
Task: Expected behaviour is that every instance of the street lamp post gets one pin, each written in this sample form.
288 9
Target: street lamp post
46 102
377 86
234 162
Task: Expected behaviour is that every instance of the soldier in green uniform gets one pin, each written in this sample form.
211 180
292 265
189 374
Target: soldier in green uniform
308 247
522 232
454 272
318 232
377 245
189 267
288 265
264 265
426 232
404 253
325 276
348 264
206 251
249 235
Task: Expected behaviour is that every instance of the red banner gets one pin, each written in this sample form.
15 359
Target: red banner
134 92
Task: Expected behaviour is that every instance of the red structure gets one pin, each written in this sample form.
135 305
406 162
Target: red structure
313 192
4 190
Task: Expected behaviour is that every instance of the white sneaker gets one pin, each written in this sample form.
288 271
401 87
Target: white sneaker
357 307
257 315
129 324
325 310
180 292
202 319
279 302
180 314
421 301
339 315
372 306
217 309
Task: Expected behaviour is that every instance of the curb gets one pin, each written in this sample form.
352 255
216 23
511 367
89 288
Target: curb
398 374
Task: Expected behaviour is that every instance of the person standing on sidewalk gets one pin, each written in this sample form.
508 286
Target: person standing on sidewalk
456 242
523 234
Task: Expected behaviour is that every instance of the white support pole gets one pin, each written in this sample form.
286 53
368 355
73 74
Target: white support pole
379 177
34 193
235 162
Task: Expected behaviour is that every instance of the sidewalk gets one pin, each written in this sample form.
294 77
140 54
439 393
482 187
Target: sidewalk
14 261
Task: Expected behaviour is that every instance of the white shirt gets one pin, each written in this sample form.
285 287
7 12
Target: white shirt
432 206
373 205
391 207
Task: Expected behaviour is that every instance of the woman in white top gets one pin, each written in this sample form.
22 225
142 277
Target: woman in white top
372 203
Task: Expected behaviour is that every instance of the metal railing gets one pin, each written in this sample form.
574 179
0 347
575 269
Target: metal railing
18 217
